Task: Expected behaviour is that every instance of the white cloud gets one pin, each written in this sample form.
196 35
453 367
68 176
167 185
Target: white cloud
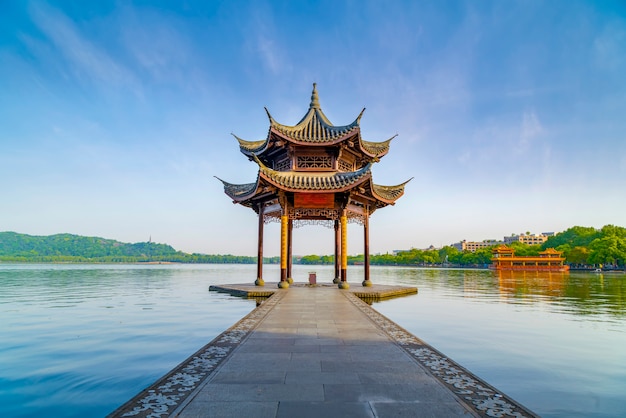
157 45
84 57
267 50
264 42
530 129
608 46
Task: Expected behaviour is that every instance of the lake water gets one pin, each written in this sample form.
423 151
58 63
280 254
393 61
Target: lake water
79 340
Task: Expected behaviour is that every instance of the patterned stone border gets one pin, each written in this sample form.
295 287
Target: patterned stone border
483 398
166 394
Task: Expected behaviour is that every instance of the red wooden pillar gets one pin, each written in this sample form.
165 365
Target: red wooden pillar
283 284
344 252
366 250
337 278
259 263
289 250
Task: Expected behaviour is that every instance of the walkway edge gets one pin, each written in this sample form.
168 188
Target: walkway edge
170 391
480 396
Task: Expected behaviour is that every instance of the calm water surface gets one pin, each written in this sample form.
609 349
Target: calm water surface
79 340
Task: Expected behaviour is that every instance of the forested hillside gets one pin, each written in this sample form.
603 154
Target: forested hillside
75 248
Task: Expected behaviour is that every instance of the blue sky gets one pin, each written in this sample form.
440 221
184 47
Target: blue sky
115 116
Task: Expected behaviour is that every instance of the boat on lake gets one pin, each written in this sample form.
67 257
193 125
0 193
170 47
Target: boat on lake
504 258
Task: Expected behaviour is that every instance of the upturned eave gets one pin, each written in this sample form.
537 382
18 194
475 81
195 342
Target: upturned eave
388 194
376 149
240 193
251 147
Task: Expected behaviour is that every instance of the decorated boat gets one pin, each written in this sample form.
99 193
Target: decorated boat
504 258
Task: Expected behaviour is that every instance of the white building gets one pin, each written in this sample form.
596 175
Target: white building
531 239
472 246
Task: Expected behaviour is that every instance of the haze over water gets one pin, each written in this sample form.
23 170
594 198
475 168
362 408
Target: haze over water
79 340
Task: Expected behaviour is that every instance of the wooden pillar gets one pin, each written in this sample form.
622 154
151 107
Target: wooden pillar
283 284
366 250
344 252
289 250
337 278
259 263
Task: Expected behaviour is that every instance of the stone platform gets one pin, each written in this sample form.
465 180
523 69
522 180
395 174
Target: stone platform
311 351
375 292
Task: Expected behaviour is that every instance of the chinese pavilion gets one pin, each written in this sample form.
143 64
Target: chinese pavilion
504 258
314 173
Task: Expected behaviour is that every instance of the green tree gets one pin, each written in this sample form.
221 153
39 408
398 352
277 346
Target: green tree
610 249
311 259
574 236
577 255
525 250
448 254
354 259
431 257
612 230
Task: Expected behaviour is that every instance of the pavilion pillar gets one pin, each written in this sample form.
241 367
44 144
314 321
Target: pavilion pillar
289 250
259 263
366 250
337 278
284 226
343 284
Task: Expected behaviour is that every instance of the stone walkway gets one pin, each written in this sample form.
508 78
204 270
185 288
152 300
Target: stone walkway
320 352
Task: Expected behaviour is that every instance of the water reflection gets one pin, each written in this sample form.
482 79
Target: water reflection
78 340
532 283
587 293
552 341
583 293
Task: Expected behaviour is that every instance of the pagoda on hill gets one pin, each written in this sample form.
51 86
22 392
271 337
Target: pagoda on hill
314 173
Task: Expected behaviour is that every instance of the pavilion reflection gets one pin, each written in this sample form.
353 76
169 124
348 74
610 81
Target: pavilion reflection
532 283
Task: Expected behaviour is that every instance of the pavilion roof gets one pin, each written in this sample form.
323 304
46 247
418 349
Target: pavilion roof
314 129
312 182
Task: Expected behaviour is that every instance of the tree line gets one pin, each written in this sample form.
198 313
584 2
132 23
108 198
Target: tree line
582 247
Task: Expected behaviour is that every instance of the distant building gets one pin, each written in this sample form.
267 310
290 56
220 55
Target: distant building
431 248
528 239
472 246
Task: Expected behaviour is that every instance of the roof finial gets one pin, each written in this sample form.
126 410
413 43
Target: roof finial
315 101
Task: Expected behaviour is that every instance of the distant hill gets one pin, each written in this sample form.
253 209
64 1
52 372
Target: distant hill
75 248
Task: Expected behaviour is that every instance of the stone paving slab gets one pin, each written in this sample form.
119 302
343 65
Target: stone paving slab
205 409
319 351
